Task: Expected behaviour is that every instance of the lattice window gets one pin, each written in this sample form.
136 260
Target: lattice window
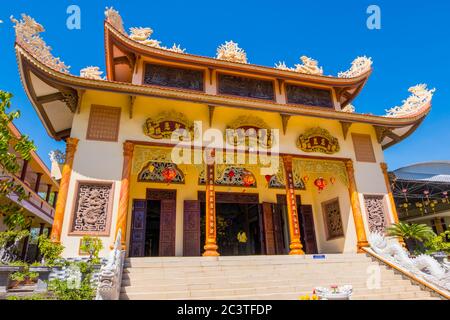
375 210
158 172
93 209
333 220
363 148
104 123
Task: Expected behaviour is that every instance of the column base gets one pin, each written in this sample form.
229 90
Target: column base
211 251
296 249
361 245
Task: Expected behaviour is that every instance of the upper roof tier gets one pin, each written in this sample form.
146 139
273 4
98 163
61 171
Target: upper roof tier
139 66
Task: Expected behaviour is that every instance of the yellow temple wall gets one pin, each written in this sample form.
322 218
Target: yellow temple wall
97 160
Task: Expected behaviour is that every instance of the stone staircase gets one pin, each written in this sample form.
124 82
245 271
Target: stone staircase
260 278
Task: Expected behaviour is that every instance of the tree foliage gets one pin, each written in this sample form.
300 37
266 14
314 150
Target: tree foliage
413 231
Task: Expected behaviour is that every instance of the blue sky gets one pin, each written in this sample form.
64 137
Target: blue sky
411 47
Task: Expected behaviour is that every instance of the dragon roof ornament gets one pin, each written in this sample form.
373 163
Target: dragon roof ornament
419 98
138 34
113 17
230 51
349 109
27 35
92 73
308 66
359 66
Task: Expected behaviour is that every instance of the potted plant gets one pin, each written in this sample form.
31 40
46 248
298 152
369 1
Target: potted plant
92 246
5 274
16 279
51 253
413 234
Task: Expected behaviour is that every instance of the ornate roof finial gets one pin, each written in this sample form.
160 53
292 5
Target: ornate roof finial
142 35
230 51
91 73
420 97
113 18
27 36
349 109
308 66
359 66
176 48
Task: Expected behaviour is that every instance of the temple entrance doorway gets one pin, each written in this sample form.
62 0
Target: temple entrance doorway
238 229
153 225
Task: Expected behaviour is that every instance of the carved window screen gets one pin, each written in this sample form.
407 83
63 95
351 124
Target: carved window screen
309 96
362 144
92 209
376 213
104 123
333 220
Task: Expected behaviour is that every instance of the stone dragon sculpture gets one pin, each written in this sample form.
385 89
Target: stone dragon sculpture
308 66
110 277
420 97
422 266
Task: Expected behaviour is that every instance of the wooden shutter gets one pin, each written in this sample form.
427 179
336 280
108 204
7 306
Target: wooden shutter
269 235
167 228
278 229
191 229
309 233
362 144
137 245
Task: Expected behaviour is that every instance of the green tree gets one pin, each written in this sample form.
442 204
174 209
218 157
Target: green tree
12 149
413 234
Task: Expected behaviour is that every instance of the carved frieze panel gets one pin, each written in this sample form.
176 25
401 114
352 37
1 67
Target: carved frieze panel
246 87
233 177
166 76
333 220
249 131
93 206
309 96
375 210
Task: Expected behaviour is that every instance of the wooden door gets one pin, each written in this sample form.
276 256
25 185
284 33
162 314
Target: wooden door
308 231
269 235
167 228
138 223
191 229
278 229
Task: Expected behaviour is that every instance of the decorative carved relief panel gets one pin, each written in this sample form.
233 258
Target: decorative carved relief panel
375 213
246 87
166 76
333 220
93 208
309 96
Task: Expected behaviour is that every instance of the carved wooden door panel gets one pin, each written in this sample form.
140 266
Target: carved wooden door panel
308 231
167 228
138 223
269 235
191 229
278 229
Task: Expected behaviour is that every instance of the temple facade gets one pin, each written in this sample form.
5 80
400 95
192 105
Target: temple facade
186 155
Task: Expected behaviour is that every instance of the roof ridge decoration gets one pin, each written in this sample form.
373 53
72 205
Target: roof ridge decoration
138 34
92 72
359 66
349 108
419 98
308 66
230 51
27 35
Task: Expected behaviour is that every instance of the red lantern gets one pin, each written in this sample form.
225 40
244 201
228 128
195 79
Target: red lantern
268 178
169 174
248 180
320 183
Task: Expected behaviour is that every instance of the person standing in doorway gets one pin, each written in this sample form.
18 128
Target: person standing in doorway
242 239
